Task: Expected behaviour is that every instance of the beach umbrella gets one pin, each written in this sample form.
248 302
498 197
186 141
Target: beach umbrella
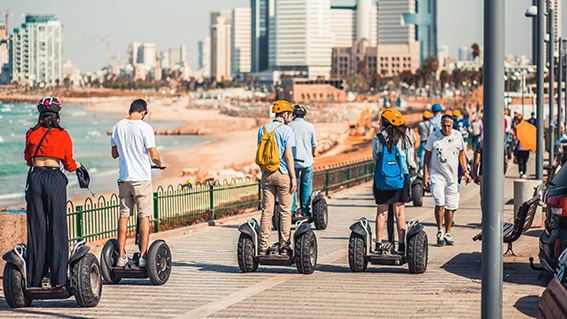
526 133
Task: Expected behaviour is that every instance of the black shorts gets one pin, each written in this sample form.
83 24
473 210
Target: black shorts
392 197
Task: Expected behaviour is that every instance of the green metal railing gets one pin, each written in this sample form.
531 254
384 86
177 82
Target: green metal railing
180 206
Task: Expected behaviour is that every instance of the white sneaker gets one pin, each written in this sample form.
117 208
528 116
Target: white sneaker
142 262
123 261
449 240
523 176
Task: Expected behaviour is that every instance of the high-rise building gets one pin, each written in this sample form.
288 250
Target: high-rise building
164 60
205 57
346 20
424 20
133 49
241 41
174 56
300 37
556 21
261 10
465 54
442 54
147 55
221 47
3 31
390 29
37 50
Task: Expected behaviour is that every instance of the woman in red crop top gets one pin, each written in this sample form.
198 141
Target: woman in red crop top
47 146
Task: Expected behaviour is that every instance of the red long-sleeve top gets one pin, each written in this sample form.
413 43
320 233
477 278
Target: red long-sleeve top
56 144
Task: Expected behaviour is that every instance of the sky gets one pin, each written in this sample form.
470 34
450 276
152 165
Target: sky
170 23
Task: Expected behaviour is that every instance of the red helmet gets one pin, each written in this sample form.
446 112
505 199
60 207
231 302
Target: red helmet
49 104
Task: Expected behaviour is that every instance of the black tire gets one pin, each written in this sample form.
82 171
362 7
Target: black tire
106 272
86 281
276 217
356 253
417 194
306 252
247 261
13 284
320 214
417 248
159 262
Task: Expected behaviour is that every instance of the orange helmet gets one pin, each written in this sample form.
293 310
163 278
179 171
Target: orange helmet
394 117
506 112
426 115
456 113
282 106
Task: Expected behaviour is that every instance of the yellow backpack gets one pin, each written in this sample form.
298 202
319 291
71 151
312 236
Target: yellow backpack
267 154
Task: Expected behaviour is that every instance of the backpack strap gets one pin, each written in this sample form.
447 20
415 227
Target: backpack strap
382 140
34 155
277 127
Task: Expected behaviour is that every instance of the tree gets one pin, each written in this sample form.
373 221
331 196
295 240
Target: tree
475 50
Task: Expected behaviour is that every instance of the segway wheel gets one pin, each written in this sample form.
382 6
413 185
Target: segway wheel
247 262
320 214
276 217
13 284
86 280
106 265
356 251
159 262
417 250
306 252
417 195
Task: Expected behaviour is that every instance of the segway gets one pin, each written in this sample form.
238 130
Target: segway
417 188
84 280
319 213
360 247
304 254
158 263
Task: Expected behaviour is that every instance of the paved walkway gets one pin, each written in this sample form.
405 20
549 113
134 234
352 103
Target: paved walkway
206 280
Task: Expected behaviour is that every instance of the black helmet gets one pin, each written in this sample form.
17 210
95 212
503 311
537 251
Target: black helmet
49 104
299 110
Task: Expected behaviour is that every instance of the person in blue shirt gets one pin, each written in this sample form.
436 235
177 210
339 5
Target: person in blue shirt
435 122
281 182
303 153
533 120
461 125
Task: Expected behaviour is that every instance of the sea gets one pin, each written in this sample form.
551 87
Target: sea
91 147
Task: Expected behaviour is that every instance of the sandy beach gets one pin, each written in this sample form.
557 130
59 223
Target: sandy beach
232 151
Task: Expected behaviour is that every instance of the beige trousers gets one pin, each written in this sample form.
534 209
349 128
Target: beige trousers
275 184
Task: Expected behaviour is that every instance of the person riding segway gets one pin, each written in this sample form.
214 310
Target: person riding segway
133 143
312 205
39 270
275 158
393 153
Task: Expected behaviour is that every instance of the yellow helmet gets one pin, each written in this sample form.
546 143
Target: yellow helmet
394 117
282 106
427 114
456 113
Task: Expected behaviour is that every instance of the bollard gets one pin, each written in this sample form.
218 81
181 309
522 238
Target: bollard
524 191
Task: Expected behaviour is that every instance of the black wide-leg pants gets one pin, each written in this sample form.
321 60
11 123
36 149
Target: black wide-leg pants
48 245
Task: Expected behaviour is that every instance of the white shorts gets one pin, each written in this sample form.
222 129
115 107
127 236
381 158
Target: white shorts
443 193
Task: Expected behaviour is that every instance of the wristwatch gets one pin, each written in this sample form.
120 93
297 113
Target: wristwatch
467 172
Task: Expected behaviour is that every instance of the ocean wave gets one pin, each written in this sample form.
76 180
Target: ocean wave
79 113
1 139
93 133
12 196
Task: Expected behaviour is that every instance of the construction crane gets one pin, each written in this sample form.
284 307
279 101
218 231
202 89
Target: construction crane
7 14
108 40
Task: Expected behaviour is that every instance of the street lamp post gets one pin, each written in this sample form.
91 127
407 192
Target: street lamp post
493 150
559 89
550 58
537 12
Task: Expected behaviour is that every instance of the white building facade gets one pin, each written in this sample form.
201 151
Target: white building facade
241 41
205 57
221 48
37 50
390 29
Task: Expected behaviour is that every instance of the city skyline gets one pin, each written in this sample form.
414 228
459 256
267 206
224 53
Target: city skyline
174 23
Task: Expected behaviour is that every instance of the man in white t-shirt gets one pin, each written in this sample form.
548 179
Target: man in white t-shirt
443 152
133 143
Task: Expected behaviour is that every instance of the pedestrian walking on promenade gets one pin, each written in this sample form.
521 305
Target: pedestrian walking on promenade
533 120
445 150
133 143
278 177
48 146
392 140
423 131
476 132
435 122
462 125
303 153
522 157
